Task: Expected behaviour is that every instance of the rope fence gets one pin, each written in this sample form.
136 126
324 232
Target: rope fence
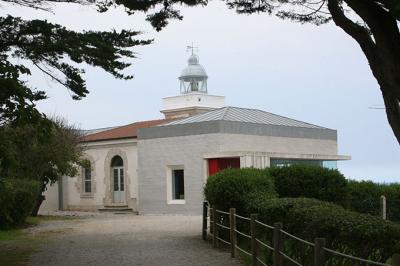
226 222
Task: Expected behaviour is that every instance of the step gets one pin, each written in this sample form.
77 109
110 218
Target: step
116 208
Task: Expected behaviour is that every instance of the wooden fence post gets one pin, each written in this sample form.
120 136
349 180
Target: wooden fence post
205 214
253 218
214 226
232 225
278 244
319 252
396 260
383 207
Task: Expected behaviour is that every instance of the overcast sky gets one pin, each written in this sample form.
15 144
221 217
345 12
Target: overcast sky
314 74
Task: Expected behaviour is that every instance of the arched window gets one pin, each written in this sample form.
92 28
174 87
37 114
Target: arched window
117 161
87 179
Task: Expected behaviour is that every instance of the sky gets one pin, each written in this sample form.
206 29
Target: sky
314 74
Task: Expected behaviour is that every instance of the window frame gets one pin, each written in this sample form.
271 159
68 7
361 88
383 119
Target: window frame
170 185
84 180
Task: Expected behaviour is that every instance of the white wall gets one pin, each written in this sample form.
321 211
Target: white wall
155 155
51 201
100 156
191 100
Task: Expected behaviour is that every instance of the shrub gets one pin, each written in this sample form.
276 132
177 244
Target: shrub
392 194
350 232
309 181
364 197
17 199
236 187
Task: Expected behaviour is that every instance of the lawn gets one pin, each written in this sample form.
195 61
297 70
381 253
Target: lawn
16 244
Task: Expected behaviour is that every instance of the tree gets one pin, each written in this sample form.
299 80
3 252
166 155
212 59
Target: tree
373 24
44 150
56 51
32 146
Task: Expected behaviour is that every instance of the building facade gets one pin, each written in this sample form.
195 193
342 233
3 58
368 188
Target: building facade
161 166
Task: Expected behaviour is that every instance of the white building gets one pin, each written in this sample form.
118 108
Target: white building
161 166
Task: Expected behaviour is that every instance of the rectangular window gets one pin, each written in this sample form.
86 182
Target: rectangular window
115 178
121 179
87 182
178 186
175 184
288 162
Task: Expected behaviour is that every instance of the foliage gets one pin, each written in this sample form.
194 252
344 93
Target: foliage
17 199
32 146
42 151
309 181
344 230
50 47
364 197
235 187
392 194
373 24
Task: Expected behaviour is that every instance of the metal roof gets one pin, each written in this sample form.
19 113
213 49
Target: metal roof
243 115
194 69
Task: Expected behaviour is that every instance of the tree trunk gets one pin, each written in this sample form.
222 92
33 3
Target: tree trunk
39 200
392 105
380 43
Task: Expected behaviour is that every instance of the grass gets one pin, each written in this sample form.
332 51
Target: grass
17 245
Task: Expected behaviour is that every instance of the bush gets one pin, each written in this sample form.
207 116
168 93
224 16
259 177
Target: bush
17 199
358 234
364 197
392 194
236 187
309 181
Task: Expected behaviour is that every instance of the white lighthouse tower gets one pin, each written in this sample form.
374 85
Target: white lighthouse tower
194 98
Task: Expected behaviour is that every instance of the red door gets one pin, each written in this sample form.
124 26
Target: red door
217 164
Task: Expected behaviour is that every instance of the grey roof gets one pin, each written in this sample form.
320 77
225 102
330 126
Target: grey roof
237 114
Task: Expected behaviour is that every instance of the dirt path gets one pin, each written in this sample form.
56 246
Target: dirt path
127 239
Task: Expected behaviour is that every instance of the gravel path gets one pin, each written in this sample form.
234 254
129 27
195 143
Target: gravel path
125 239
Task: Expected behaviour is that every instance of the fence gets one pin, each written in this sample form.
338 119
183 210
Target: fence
225 223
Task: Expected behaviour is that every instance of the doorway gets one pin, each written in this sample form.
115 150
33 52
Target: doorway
118 181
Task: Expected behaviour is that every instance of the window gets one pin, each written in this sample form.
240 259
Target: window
117 161
178 186
288 162
175 185
87 179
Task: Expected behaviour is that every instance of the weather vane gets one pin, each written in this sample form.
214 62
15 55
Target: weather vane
192 47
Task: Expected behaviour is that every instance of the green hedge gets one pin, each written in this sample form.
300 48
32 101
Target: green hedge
310 182
392 194
364 197
362 235
358 234
235 187
17 199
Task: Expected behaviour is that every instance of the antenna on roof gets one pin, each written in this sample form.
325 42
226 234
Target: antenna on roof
192 47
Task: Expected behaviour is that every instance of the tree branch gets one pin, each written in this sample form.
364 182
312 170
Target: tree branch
358 32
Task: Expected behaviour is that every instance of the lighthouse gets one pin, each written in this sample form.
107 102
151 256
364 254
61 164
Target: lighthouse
193 95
